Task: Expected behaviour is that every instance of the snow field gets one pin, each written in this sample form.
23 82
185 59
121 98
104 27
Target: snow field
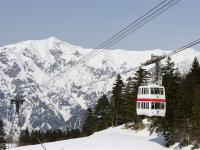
110 139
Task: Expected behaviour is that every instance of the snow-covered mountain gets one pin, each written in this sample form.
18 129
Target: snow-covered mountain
27 67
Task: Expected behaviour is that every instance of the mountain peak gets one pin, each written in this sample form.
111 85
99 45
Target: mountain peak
53 39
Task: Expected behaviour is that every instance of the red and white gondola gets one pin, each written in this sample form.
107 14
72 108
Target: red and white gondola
151 100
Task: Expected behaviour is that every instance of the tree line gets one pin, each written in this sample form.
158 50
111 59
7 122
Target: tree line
35 137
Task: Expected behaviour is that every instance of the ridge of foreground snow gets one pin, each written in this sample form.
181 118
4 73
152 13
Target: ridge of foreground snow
110 139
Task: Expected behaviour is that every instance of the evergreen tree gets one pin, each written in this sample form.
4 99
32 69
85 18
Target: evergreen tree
183 114
196 116
194 76
141 77
35 135
24 138
190 84
195 73
103 114
2 136
88 125
117 101
129 109
172 82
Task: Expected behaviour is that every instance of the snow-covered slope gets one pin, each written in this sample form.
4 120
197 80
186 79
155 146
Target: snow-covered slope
109 139
25 66
116 138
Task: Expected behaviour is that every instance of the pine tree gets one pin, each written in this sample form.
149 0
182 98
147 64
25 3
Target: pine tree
117 101
129 110
35 136
2 136
190 84
195 73
196 116
103 114
141 77
181 107
194 76
89 123
172 82
183 114
24 138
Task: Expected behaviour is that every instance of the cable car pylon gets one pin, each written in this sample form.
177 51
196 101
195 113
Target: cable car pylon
15 128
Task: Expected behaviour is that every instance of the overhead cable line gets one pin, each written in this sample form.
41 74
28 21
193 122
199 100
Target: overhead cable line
148 16
149 62
143 22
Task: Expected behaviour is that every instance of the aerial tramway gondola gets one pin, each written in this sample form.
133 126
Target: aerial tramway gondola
151 99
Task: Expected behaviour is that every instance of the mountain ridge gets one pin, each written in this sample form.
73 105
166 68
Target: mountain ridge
25 66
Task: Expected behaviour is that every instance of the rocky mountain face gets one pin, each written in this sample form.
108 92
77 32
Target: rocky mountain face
28 68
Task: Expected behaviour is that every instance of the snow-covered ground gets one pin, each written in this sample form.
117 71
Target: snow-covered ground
110 139
117 138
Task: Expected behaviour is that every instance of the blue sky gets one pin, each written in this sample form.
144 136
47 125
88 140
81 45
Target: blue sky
90 22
